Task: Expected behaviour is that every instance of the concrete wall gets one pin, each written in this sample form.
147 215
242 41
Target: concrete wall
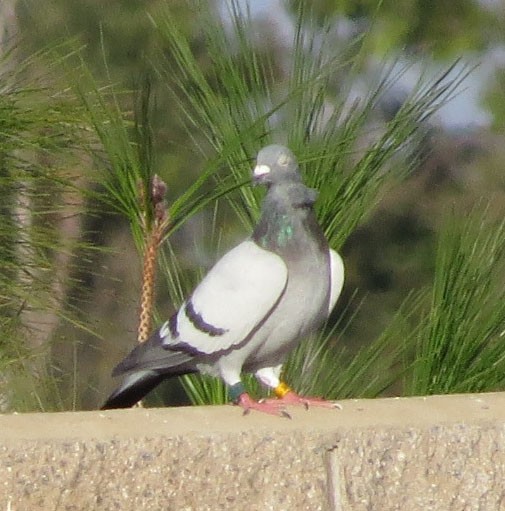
437 453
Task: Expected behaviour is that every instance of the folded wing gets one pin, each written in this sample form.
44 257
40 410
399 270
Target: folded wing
238 293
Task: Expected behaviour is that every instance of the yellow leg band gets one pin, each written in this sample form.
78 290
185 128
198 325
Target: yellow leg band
282 389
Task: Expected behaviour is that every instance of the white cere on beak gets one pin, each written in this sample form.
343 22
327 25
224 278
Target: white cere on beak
261 170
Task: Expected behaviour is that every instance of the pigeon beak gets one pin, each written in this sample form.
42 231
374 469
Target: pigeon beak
260 171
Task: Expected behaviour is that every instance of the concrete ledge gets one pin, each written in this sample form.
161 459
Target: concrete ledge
438 453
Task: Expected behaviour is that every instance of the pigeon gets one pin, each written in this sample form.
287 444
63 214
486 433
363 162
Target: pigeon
254 306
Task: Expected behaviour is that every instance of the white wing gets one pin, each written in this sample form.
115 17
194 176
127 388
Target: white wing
337 273
235 296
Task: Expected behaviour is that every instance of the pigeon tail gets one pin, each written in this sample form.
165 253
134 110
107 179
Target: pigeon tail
146 367
136 386
133 389
155 354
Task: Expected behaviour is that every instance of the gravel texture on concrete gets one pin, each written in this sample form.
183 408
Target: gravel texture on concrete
437 453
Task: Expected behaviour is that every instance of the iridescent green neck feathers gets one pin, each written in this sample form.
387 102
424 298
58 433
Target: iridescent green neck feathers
283 216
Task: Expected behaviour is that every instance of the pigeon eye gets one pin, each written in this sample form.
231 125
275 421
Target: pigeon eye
283 160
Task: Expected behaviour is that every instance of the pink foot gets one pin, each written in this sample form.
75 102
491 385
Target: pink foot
272 407
292 398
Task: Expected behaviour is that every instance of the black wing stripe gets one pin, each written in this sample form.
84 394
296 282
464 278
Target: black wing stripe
172 326
200 324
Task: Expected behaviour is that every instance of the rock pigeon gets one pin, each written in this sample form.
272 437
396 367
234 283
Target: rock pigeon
254 306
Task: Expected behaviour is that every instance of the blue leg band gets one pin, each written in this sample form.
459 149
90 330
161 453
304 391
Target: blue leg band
235 391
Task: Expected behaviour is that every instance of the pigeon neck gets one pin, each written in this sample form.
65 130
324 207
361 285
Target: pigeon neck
284 215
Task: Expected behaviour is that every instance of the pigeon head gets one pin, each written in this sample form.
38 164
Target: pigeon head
276 164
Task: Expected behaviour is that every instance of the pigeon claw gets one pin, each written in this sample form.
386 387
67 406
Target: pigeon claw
292 398
276 408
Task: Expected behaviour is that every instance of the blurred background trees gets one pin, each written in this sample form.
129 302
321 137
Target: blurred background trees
70 265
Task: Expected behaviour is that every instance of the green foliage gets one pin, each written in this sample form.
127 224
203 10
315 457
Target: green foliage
459 344
238 109
246 111
33 125
124 172
232 98
41 201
